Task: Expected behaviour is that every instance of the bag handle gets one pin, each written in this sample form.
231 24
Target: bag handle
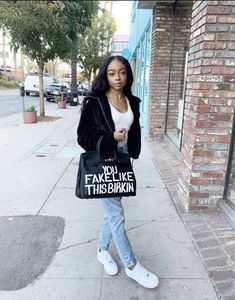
99 154
104 115
115 154
98 144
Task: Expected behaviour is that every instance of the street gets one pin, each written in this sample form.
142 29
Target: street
12 103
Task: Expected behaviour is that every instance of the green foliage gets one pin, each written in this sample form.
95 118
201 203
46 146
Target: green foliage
57 99
95 46
31 109
4 84
44 29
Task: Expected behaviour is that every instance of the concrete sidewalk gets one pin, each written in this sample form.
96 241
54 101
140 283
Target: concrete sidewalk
48 238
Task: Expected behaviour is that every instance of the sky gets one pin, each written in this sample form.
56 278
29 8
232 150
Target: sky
121 11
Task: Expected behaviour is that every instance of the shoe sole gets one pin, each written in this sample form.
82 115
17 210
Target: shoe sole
147 287
105 269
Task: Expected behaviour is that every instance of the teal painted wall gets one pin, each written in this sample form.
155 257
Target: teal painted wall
139 21
140 47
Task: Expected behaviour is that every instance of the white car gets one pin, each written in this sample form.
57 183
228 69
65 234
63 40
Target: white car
31 83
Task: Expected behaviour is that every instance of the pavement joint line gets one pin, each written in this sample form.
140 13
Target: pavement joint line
127 221
64 188
69 128
144 187
101 283
95 239
35 148
62 148
138 226
122 278
54 186
174 240
77 244
169 193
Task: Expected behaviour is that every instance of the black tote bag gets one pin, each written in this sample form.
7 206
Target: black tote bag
105 175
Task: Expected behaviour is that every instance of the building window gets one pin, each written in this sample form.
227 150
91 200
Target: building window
176 98
230 182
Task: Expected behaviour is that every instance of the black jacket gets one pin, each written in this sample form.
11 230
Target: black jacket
92 126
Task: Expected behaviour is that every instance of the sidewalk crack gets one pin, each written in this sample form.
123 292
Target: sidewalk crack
96 239
77 244
141 225
40 209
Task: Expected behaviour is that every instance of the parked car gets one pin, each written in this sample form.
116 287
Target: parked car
31 83
57 90
82 91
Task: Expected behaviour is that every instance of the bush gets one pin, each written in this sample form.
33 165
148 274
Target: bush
31 109
4 84
57 99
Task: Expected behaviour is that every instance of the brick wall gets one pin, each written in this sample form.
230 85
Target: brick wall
210 99
160 64
179 48
159 72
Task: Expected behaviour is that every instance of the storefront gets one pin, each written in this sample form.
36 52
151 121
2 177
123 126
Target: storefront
142 76
191 97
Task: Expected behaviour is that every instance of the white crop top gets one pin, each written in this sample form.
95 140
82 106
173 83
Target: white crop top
122 120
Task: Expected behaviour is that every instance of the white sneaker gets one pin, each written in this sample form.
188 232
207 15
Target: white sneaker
143 276
106 259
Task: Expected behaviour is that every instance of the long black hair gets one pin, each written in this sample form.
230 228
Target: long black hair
100 84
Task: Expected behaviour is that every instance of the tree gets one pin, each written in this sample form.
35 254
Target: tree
95 46
79 20
45 30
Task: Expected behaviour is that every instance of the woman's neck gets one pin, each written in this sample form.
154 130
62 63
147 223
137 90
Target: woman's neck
114 95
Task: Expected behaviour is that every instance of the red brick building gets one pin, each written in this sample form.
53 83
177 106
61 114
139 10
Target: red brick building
192 94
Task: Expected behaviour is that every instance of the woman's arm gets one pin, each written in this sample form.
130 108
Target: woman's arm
88 132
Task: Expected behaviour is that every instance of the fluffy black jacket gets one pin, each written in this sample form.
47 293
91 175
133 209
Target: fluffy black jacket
92 126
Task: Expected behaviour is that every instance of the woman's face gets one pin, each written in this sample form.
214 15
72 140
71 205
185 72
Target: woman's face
116 75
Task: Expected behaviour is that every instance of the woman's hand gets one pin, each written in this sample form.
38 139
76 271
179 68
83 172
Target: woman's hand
119 135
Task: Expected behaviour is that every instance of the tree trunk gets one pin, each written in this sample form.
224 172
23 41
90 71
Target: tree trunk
22 65
41 90
89 80
4 53
74 66
15 66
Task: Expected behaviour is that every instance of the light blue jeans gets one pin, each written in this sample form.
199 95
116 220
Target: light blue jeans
113 227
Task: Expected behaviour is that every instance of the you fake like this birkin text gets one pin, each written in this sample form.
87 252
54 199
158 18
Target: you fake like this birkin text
109 181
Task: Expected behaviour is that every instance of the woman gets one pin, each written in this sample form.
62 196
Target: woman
121 132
